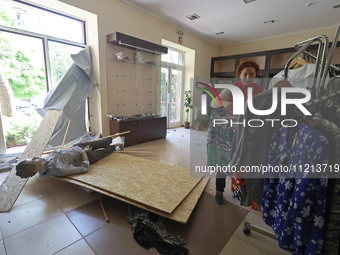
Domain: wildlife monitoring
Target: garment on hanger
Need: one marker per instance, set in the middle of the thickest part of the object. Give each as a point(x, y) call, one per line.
point(295, 207)
point(301, 78)
point(250, 145)
point(332, 222)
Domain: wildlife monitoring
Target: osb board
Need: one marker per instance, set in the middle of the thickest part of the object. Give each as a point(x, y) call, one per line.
point(180, 214)
point(12, 186)
point(147, 182)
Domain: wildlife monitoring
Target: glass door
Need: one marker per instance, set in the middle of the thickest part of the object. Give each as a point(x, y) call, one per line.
point(171, 91)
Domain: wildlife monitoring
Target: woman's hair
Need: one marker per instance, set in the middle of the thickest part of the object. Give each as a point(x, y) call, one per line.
point(247, 63)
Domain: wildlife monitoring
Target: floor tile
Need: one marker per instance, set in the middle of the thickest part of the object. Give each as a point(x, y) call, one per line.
point(202, 237)
point(73, 198)
point(31, 192)
point(151, 251)
point(48, 237)
point(238, 246)
point(227, 215)
point(264, 243)
point(2, 249)
point(32, 180)
point(114, 237)
point(80, 247)
point(210, 226)
point(1, 237)
point(87, 218)
point(54, 186)
point(28, 215)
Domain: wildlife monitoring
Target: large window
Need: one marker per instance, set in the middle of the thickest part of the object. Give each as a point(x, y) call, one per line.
point(171, 86)
point(35, 48)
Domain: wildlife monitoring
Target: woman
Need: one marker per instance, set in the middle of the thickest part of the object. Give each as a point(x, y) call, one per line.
point(220, 137)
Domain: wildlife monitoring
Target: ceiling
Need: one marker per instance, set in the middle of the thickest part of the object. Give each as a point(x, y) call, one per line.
point(241, 22)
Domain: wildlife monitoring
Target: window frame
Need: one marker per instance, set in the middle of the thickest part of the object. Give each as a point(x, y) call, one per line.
point(45, 40)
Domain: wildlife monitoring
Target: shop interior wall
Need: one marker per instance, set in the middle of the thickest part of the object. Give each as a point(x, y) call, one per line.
point(114, 15)
point(280, 42)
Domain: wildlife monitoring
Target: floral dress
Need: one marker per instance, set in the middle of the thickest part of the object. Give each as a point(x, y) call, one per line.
point(295, 207)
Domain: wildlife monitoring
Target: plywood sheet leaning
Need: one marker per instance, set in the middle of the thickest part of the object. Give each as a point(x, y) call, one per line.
point(151, 183)
point(13, 185)
point(180, 214)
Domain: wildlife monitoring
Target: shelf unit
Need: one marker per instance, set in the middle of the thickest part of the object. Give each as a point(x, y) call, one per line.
point(141, 130)
point(271, 62)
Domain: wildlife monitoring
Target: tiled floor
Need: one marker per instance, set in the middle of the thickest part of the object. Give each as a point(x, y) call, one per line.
point(55, 217)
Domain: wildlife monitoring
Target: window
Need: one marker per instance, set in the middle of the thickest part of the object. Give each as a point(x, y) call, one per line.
point(45, 22)
point(35, 46)
point(171, 86)
point(173, 57)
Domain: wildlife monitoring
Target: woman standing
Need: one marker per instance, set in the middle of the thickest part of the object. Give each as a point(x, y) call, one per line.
point(220, 137)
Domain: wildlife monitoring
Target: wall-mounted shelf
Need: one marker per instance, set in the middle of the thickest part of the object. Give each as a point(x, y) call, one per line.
point(135, 63)
point(135, 43)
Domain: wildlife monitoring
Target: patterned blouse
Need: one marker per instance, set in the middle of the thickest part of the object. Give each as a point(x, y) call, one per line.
point(295, 207)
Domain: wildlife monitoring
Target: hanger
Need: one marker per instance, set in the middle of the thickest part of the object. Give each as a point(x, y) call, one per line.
point(298, 62)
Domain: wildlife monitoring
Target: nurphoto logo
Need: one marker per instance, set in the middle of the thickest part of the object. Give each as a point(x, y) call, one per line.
point(238, 103)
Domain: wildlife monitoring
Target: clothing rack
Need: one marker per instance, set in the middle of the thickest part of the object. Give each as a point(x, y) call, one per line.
point(305, 52)
point(321, 91)
point(328, 97)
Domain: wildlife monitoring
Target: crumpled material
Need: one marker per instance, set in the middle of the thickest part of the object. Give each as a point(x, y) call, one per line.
point(148, 234)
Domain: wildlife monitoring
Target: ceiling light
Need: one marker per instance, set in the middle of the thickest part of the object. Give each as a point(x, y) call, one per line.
point(248, 1)
point(193, 16)
point(267, 22)
point(336, 6)
point(219, 33)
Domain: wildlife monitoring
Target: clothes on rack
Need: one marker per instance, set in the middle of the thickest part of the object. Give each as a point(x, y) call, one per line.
point(300, 78)
point(294, 206)
point(332, 220)
point(250, 145)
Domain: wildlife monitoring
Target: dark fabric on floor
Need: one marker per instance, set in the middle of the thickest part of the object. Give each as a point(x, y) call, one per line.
point(207, 232)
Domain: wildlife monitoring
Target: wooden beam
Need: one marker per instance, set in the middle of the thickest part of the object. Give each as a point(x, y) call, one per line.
point(12, 186)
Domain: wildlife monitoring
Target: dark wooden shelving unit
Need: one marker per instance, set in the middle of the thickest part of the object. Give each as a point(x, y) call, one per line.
point(271, 62)
point(141, 130)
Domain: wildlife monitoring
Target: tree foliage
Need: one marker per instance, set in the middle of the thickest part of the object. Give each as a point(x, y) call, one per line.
point(23, 77)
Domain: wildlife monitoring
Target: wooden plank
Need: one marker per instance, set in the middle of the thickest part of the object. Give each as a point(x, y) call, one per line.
point(13, 185)
point(151, 183)
point(180, 214)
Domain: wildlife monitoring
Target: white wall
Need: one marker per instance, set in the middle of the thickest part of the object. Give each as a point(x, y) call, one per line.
point(112, 16)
